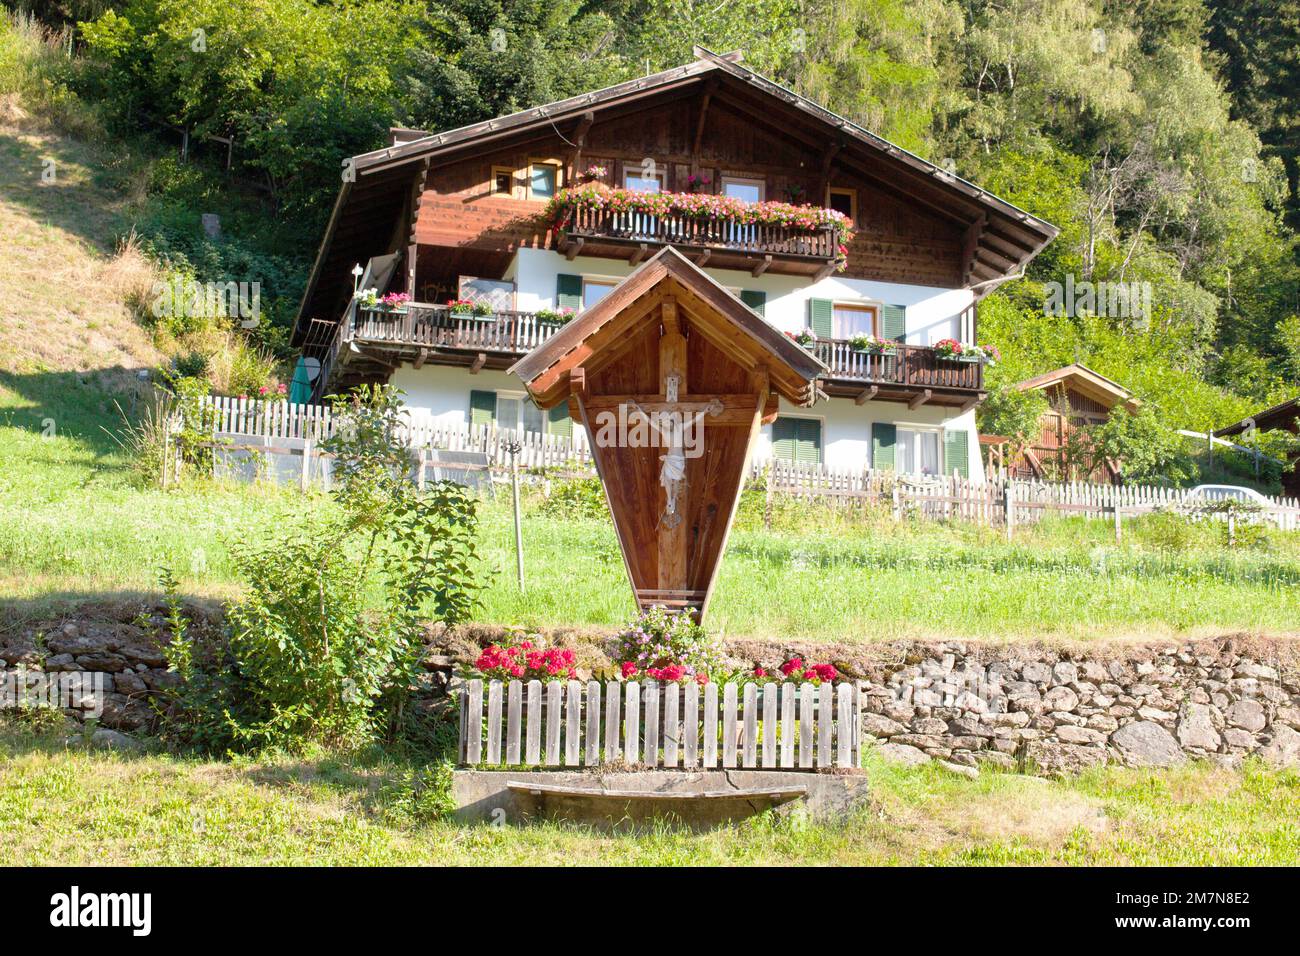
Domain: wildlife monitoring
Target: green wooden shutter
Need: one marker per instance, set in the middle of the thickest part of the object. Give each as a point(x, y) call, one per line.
point(883, 437)
point(755, 299)
point(956, 452)
point(893, 322)
point(783, 439)
point(808, 446)
point(482, 407)
point(568, 292)
point(820, 317)
point(559, 422)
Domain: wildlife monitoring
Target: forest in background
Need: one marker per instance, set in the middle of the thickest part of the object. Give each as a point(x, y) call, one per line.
point(1161, 136)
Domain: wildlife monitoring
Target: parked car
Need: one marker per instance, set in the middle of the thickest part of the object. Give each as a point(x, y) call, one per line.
point(1255, 507)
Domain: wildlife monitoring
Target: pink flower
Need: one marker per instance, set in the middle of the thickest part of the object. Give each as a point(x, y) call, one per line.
point(628, 669)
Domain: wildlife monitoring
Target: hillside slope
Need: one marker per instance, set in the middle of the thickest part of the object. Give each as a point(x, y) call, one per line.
point(64, 285)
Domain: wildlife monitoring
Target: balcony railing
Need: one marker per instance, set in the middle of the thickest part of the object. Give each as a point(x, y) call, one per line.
point(914, 366)
point(750, 239)
point(437, 326)
point(425, 326)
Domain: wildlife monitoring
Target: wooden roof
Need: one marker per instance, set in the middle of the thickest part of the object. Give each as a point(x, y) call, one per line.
point(595, 335)
point(1084, 380)
point(998, 238)
point(1283, 416)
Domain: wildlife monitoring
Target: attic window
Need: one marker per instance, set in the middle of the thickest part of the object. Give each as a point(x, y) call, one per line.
point(503, 181)
point(543, 180)
point(844, 201)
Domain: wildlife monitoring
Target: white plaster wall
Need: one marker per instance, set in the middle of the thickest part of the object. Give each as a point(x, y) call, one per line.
point(932, 313)
point(846, 430)
point(442, 392)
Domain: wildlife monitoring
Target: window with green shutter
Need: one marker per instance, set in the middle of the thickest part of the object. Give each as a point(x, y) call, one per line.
point(558, 421)
point(884, 435)
point(568, 292)
point(956, 452)
point(482, 407)
point(821, 317)
point(893, 322)
point(797, 439)
point(755, 299)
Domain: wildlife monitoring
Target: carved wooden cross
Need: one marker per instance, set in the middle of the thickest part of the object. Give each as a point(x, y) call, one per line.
point(744, 410)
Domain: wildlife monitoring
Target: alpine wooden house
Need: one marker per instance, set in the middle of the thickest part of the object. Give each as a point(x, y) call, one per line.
point(500, 231)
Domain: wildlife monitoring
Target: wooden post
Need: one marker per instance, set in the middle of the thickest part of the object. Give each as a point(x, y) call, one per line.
point(1009, 505)
point(305, 479)
point(513, 449)
point(1119, 530)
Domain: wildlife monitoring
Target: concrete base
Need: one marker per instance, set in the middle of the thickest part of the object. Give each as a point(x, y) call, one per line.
point(695, 799)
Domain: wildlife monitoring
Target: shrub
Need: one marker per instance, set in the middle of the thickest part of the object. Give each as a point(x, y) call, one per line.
point(326, 638)
point(576, 498)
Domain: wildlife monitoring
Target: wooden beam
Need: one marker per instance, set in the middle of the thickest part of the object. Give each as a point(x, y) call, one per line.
point(970, 247)
point(703, 258)
point(673, 538)
point(919, 399)
point(704, 113)
point(866, 395)
point(639, 253)
point(762, 266)
point(825, 270)
point(479, 361)
point(421, 357)
point(573, 247)
point(579, 139)
point(968, 405)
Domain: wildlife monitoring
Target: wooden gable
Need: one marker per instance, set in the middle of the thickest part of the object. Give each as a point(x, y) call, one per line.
point(668, 341)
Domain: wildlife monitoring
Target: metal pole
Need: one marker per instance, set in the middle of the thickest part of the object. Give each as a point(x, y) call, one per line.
point(513, 448)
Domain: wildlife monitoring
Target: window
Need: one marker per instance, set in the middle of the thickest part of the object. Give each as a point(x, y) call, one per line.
point(593, 290)
point(797, 439)
point(916, 452)
point(844, 201)
point(636, 180)
point(543, 180)
point(850, 320)
point(747, 190)
point(516, 410)
point(503, 181)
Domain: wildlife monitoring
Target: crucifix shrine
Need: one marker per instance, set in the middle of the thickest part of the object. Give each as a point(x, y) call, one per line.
point(672, 377)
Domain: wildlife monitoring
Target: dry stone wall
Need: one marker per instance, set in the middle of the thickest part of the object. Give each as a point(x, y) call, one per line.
point(1062, 711)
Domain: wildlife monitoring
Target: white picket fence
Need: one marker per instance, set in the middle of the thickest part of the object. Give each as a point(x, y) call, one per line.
point(573, 724)
point(277, 424)
point(272, 421)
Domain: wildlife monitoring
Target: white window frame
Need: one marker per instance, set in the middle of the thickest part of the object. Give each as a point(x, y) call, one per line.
point(862, 304)
point(744, 181)
point(937, 431)
point(634, 171)
point(555, 164)
point(520, 397)
point(596, 280)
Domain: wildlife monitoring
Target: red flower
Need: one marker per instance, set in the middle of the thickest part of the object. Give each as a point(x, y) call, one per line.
point(759, 672)
point(629, 669)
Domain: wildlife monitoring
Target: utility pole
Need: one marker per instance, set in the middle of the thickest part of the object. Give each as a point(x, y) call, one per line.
point(513, 448)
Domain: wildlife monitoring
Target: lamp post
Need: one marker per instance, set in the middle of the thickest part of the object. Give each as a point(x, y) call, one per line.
point(357, 273)
point(513, 448)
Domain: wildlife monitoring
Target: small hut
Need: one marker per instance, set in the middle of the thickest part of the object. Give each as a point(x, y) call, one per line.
point(1077, 398)
point(672, 376)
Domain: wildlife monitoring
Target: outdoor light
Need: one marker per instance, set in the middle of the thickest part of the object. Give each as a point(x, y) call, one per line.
point(357, 273)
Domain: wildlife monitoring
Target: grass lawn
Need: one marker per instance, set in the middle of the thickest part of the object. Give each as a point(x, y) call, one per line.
point(76, 523)
point(74, 807)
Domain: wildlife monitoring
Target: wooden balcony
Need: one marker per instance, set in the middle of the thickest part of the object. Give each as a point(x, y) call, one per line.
point(911, 373)
point(371, 342)
point(719, 243)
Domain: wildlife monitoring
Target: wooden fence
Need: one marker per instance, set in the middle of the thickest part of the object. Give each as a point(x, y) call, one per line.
point(572, 724)
point(994, 501)
point(293, 429)
point(235, 419)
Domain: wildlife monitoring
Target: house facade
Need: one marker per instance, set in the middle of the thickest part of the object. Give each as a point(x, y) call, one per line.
point(500, 231)
point(1285, 417)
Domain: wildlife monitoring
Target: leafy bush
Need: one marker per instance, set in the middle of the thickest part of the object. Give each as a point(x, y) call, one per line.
point(666, 646)
point(326, 639)
point(576, 498)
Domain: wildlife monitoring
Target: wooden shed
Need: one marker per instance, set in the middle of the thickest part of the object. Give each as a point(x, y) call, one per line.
point(1077, 397)
point(672, 376)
